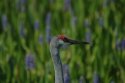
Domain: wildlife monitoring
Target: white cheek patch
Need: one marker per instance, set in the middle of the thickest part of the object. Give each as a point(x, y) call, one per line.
point(61, 42)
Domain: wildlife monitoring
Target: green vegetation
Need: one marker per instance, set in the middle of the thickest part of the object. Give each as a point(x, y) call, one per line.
point(27, 26)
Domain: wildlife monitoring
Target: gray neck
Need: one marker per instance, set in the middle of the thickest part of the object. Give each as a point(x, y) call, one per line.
point(57, 64)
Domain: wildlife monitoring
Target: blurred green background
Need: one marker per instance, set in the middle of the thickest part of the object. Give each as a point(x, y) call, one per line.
point(27, 26)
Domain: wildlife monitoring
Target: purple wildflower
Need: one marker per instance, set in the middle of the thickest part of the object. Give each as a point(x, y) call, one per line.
point(48, 36)
point(67, 4)
point(29, 61)
point(4, 21)
point(96, 78)
point(123, 44)
point(36, 25)
point(40, 39)
point(66, 73)
point(48, 18)
point(120, 45)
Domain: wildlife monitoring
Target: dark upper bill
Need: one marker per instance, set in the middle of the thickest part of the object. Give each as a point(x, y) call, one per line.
point(76, 42)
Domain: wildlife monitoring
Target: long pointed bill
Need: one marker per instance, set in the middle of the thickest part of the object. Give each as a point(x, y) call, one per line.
point(76, 42)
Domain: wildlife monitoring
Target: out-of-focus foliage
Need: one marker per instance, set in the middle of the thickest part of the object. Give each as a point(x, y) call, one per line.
point(27, 26)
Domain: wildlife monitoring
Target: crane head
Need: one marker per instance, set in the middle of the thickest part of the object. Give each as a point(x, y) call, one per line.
point(64, 41)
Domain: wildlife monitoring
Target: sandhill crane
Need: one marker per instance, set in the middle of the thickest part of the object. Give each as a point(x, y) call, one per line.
point(56, 43)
